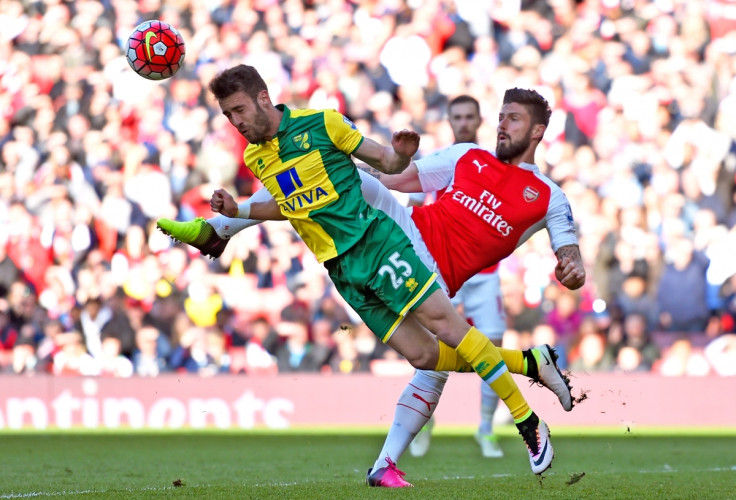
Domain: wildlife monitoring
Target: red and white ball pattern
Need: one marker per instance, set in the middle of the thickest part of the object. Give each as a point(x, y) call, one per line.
point(155, 50)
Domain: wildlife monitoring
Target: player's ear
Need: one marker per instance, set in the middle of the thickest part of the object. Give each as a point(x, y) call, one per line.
point(538, 131)
point(263, 98)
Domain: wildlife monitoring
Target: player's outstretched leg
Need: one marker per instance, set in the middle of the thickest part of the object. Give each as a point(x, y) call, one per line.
point(536, 436)
point(198, 233)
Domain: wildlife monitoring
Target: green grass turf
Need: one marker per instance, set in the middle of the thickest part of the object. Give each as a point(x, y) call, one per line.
point(306, 464)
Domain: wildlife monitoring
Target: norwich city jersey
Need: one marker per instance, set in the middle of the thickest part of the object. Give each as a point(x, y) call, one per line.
point(308, 170)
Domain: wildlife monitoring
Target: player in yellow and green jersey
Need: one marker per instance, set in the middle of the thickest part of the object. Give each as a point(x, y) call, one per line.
point(303, 158)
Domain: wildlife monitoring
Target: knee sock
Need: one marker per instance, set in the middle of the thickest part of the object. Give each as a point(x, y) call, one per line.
point(520, 362)
point(413, 410)
point(486, 360)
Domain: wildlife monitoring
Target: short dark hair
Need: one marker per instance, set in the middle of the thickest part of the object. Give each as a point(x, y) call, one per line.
point(533, 101)
point(240, 78)
point(462, 99)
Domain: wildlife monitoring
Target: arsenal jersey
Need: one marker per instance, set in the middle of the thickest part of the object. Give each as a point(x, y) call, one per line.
point(489, 208)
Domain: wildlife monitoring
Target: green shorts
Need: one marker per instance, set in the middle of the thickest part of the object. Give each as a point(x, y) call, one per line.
point(381, 277)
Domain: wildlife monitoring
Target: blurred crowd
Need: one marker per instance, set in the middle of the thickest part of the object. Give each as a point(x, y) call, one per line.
point(641, 139)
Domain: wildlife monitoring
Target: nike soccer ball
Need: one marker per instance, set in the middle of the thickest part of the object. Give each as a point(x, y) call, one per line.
point(155, 50)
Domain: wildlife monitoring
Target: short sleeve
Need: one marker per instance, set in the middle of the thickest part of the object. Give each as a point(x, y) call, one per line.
point(436, 171)
point(343, 132)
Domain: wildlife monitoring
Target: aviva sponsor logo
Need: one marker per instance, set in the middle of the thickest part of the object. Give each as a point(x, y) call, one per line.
point(289, 181)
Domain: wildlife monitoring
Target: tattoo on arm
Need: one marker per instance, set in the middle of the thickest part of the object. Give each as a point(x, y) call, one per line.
point(571, 251)
point(373, 172)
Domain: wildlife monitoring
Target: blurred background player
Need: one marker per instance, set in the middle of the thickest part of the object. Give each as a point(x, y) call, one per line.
point(480, 296)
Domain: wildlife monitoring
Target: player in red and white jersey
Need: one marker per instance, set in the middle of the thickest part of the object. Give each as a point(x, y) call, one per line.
point(501, 205)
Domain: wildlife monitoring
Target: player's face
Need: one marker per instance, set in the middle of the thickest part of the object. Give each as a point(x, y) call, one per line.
point(247, 116)
point(514, 131)
point(465, 121)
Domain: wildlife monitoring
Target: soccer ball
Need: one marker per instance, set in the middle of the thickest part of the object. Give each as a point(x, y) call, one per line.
point(155, 50)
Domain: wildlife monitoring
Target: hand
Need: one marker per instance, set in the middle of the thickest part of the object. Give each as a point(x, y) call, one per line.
point(405, 142)
point(570, 273)
point(222, 202)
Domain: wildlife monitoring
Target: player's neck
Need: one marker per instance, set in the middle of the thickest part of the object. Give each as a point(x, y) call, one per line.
point(525, 157)
point(275, 115)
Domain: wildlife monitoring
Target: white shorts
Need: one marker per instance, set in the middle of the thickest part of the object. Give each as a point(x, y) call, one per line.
point(483, 304)
point(378, 196)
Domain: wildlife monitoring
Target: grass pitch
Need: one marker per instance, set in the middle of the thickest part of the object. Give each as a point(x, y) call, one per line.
point(312, 464)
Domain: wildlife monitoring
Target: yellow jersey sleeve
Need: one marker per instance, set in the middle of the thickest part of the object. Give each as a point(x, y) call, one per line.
point(343, 132)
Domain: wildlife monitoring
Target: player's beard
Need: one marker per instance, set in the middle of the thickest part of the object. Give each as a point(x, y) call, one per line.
point(511, 149)
point(258, 131)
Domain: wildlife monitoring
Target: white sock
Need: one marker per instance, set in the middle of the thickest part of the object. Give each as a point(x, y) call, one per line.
point(488, 405)
point(413, 410)
point(226, 228)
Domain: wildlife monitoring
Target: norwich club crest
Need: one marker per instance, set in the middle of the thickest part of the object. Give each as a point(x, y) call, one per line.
point(302, 141)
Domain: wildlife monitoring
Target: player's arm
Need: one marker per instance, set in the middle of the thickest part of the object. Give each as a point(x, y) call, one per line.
point(405, 182)
point(564, 239)
point(259, 207)
point(389, 160)
point(569, 270)
point(427, 175)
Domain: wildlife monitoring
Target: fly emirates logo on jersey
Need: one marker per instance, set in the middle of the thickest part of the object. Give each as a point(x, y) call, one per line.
point(487, 208)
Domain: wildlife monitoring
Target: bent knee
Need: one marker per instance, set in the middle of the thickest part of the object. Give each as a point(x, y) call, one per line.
point(424, 361)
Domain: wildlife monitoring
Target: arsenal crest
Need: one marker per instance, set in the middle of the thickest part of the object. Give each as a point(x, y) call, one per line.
point(530, 194)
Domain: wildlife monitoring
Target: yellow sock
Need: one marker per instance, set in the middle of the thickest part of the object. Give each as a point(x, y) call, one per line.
point(450, 361)
point(487, 362)
point(514, 360)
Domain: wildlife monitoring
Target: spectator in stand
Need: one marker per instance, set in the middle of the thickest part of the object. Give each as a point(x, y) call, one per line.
point(24, 356)
point(637, 336)
point(297, 353)
point(147, 359)
point(681, 298)
point(593, 356)
point(94, 316)
point(259, 348)
point(681, 358)
point(73, 358)
point(111, 360)
point(634, 299)
point(630, 360)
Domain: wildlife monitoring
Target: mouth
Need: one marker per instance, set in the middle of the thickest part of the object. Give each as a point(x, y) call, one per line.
point(502, 138)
